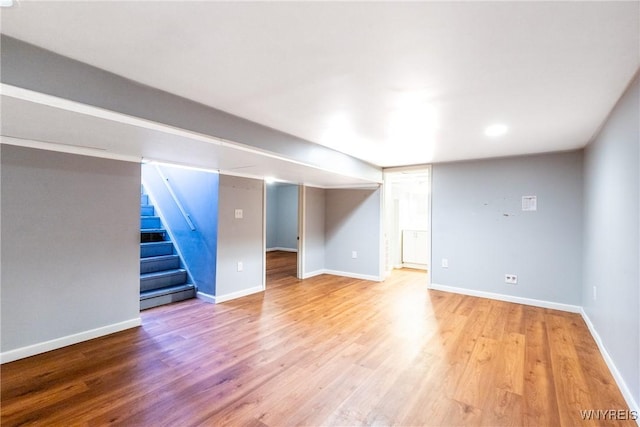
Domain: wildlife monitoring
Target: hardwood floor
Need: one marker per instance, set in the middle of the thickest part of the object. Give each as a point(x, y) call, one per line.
point(281, 265)
point(324, 351)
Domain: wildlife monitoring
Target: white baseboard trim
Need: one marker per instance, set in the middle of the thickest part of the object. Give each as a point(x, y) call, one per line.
point(622, 385)
point(282, 249)
point(313, 274)
point(508, 298)
point(211, 299)
point(233, 295)
point(54, 344)
point(354, 275)
point(415, 266)
point(342, 274)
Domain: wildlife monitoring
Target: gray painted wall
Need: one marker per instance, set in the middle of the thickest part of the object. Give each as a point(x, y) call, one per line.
point(478, 225)
point(240, 240)
point(611, 236)
point(314, 223)
point(30, 67)
point(282, 216)
point(70, 244)
point(272, 216)
point(352, 223)
point(288, 216)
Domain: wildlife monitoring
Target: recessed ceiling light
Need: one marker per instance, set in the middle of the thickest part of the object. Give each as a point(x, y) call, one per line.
point(6, 3)
point(496, 130)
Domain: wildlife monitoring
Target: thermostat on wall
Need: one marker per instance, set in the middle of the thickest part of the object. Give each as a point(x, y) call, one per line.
point(529, 203)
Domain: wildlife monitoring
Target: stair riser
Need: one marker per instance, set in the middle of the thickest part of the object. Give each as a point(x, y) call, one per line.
point(162, 281)
point(166, 299)
point(150, 222)
point(152, 237)
point(147, 211)
point(152, 265)
point(147, 284)
point(165, 248)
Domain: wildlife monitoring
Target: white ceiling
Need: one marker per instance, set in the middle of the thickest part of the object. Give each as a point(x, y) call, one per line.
point(393, 83)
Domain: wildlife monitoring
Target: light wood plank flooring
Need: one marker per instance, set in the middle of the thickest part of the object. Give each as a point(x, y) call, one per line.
point(324, 351)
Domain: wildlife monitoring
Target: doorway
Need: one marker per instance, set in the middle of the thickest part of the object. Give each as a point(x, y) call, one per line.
point(282, 236)
point(408, 218)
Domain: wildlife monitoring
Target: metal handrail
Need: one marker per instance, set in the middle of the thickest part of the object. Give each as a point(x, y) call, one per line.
point(184, 213)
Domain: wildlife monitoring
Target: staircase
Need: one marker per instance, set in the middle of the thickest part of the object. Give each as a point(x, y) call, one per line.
point(162, 280)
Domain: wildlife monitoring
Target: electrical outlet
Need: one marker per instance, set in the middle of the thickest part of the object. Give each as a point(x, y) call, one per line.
point(511, 279)
point(240, 266)
point(445, 263)
point(354, 254)
point(238, 213)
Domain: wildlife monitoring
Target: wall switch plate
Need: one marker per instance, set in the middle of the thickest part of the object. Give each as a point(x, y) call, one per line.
point(238, 213)
point(240, 266)
point(354, 254)
point(445, 263)
point(595, 293)
point(511, 279)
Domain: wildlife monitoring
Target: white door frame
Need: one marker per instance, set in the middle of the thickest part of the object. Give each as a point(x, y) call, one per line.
point(388, 201)
point(302, 198)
